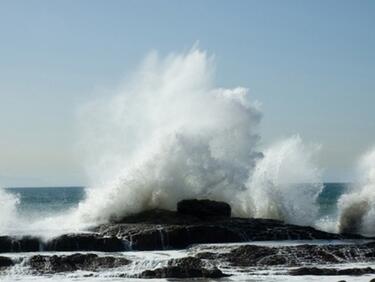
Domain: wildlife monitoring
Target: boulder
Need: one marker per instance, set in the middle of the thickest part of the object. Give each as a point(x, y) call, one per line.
point(88, 262)
point(204, 208)
point(331, 271)
point(188, 267)
point(5, 262)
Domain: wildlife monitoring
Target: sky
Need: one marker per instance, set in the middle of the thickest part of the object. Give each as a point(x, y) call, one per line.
point(310, 63)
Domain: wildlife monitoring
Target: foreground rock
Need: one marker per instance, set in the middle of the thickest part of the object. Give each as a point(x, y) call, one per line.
point(188, 267)
point(5, 262)
point(88, 262)
point(331, 271)
point(292, 256)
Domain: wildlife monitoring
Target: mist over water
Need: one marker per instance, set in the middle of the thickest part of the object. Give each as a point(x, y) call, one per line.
point(357, 210)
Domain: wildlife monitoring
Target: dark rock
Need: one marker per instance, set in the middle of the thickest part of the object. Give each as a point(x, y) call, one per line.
point(252, 255)
point(5, 262)
point(159, 216)
point(203, 208)
point(85, 242)
point(188, 267)
point(172, 230)
point(88, 262)
point(179, 272)
point(160, 229)
point(331, 271)
point(19, 244)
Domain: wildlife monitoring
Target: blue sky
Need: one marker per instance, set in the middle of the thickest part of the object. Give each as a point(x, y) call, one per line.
point(310, 63)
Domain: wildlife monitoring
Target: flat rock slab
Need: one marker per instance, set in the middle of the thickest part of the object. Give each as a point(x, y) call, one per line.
point(159, 229)
point(88, 262)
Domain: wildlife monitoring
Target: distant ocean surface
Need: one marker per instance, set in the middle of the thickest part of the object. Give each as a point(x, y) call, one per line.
point(49, 200)
point(39, 201)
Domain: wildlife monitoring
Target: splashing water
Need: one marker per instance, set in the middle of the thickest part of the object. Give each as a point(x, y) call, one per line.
point(8, 210)
point(170, 134)
point(285, 184)
point(357, 211)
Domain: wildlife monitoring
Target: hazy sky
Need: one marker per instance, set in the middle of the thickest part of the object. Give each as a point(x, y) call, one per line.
point(310, 63)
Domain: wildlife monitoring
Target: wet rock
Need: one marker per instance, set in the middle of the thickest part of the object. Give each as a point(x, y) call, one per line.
point(188, 267)
point(172, 230)
point(196, 222)
point(88, 262)
point(204, 208)
point(252, 255)
point(331, 271)
point(19, 244)
point(5, 262)
point(85, 242)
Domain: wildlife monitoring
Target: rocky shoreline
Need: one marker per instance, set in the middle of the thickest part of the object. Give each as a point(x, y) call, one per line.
point(209, 222)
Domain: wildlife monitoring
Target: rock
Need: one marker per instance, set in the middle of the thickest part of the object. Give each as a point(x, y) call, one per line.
point(88, 262)
point(253, 255)
point(85, 242)
point(19, 244)
point(204, 208)
point(331, 271)
point(188, 267)
point(179, 272)
point(5, 262)
point(172, 230)
point(205, 222)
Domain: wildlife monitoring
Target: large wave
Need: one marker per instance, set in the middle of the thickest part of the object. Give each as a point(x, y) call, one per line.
point(170, 134)
point(357, 211)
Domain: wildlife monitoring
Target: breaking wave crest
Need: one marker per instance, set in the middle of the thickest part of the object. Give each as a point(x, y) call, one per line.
point(171, 134)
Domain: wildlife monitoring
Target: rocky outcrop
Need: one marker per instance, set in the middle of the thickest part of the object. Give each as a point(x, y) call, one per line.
point(85, 242)
point(331, 271)
point(195, 222)
point(159, 229)
point(64, 243)
point(204, 208)
point(88, 262)
point(188, 267)
point(292, 256)
point(19, 244)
